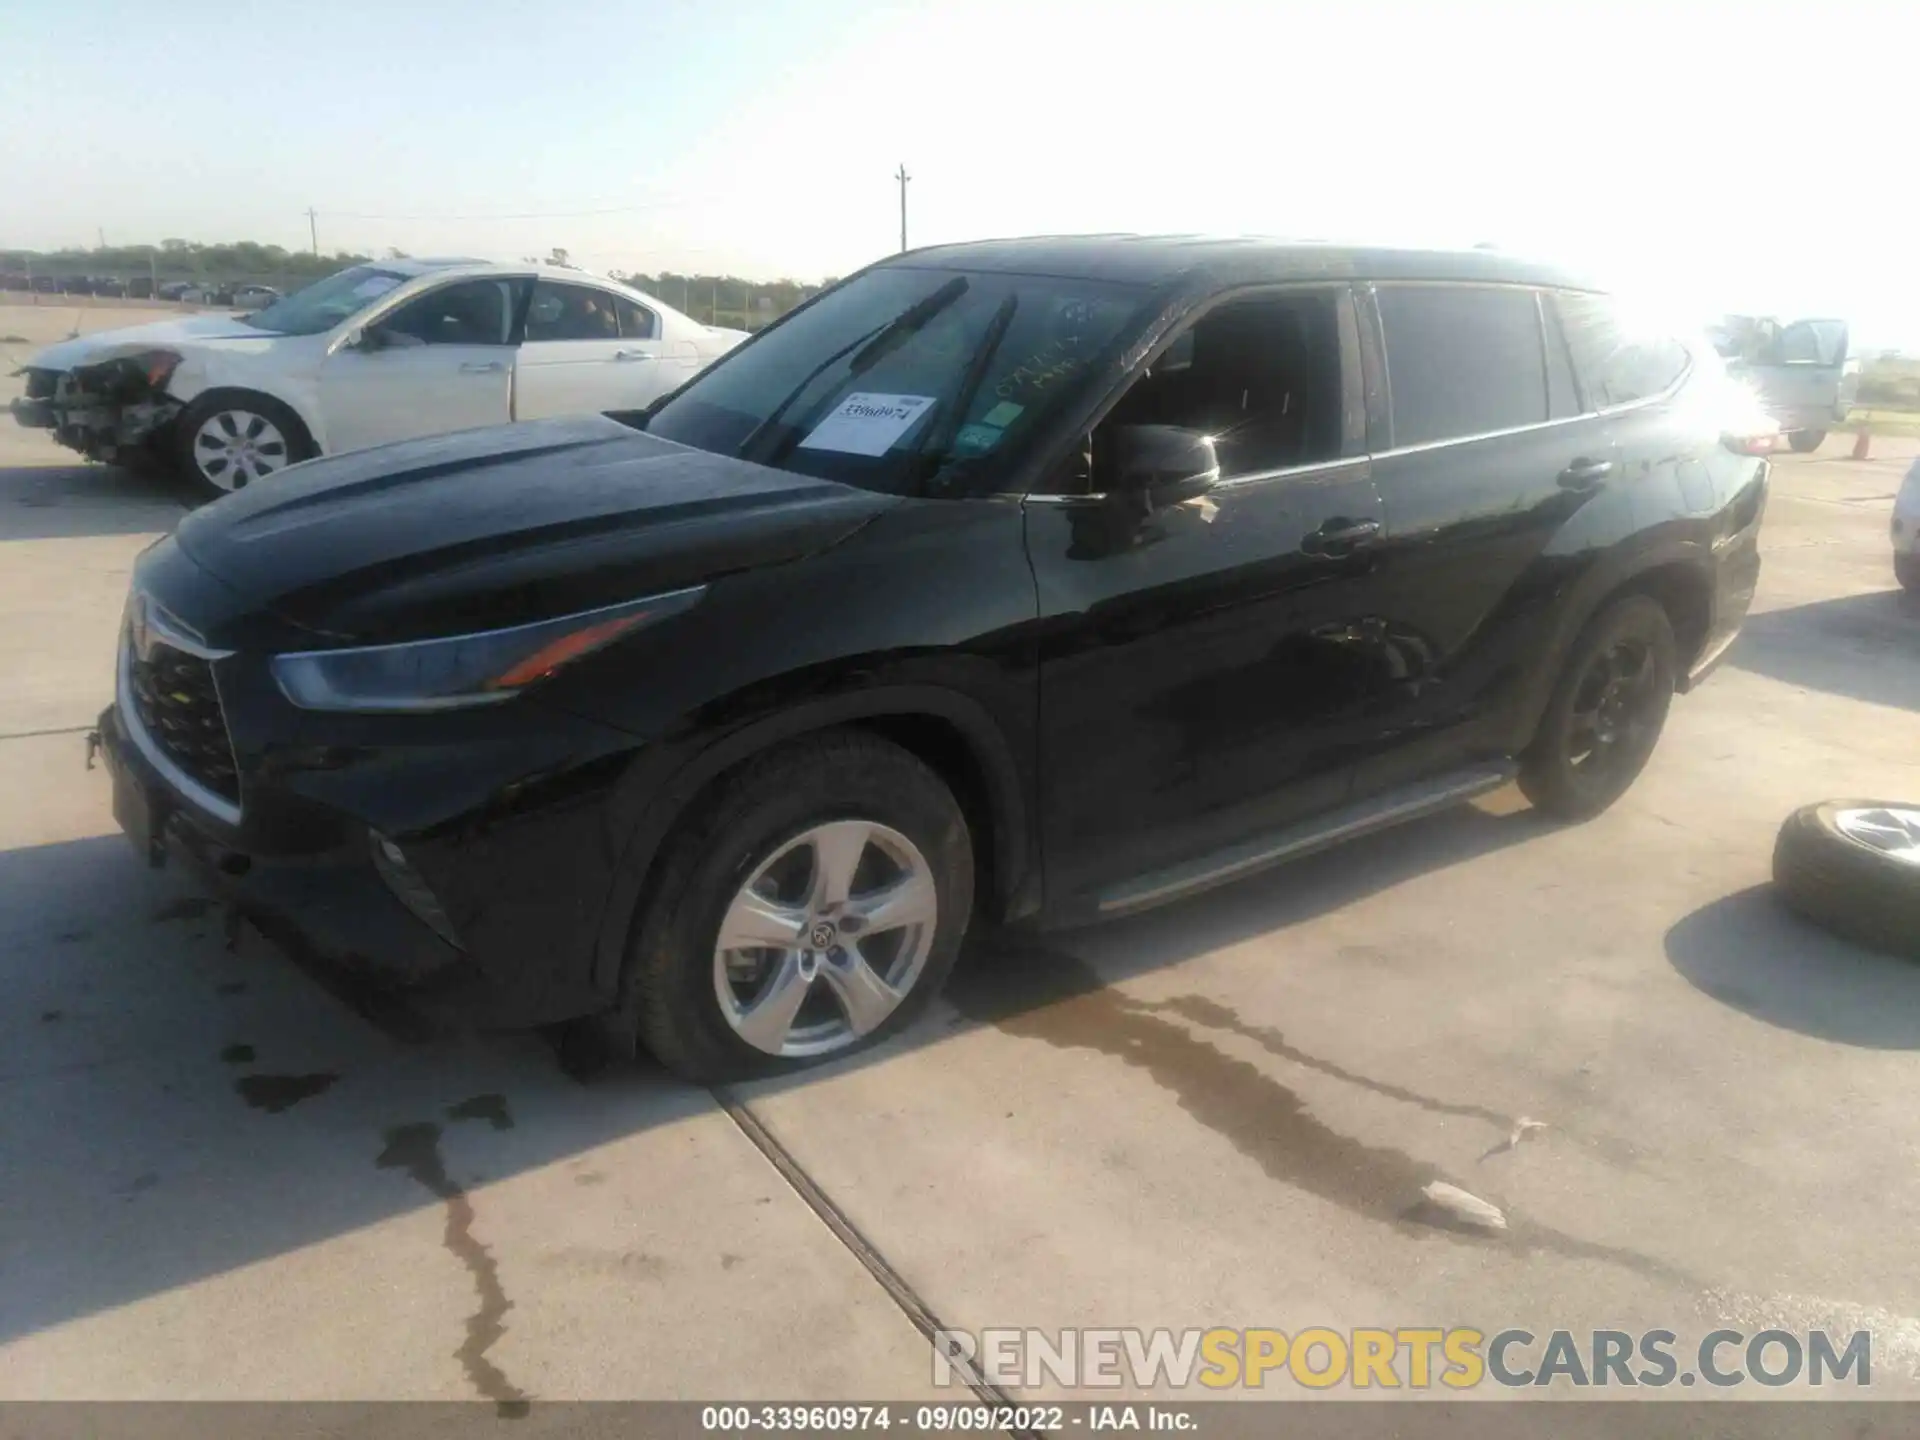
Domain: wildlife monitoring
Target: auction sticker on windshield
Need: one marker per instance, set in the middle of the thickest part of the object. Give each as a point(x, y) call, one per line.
point(868, 424)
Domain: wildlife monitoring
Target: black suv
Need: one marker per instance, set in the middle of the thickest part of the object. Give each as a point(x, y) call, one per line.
point(1035, 581)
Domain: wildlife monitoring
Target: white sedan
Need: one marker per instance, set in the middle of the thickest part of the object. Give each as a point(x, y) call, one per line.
point(379, 352)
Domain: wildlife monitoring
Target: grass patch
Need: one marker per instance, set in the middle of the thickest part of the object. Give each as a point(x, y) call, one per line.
point(1880, 422)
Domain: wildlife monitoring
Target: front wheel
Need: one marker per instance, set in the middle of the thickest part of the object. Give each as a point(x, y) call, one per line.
point(1805, 442)
point(1606, 712)
point(227, 440)
point(814, 907)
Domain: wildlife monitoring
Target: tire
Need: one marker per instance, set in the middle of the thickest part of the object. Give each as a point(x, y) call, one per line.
point(1805, 442)
point(818, 787)
point(227, 439)
point(1906, 569)
point(1846, 885)
point(1606, 711)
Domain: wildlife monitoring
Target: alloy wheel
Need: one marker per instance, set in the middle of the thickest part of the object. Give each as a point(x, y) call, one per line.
point(1893, 831)
point(233, 448)
point(825, 939)
point(1615, 709)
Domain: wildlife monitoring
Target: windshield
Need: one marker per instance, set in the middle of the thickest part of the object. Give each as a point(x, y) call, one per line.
point(904, 380)
point(325, 303)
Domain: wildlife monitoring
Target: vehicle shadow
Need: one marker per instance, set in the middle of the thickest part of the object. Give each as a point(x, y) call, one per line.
point(178, 1109)
point(1866, 647)
point(1748, 951)
point(66, 501)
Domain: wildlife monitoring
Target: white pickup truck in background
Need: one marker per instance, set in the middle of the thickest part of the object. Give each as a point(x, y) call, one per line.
point(1801, 371)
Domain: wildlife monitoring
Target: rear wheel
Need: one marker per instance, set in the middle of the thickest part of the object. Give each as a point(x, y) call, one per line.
point(815, 907)
point(1906, 569)
point(231, 439)
point(1606, 712)
point(1805, 442)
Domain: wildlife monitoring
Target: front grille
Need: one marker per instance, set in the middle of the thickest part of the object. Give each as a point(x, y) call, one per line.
point(41, 384)
point(175, 699)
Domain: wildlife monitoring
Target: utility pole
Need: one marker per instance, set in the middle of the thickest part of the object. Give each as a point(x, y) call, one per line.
point(902, 176)
point(313, 230)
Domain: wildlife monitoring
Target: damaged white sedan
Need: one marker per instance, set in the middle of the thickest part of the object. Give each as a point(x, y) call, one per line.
point(376, 353)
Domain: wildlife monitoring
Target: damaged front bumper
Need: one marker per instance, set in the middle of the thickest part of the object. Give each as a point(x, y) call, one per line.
point(104, 411)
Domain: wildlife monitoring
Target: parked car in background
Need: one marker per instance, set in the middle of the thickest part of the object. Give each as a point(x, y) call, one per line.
point(373, 354)
point(14, 280)
point(1906, 530)
point(140, 287)
point(1040, 580)
point(191, 292)
point(254, 297)
point(1802, 372)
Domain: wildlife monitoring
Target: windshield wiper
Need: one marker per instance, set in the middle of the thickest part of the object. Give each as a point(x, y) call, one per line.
point(872, 346)
point(933, 457)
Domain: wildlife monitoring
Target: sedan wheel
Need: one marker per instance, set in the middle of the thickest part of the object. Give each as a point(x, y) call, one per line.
point(826, 939)
point(233, 448)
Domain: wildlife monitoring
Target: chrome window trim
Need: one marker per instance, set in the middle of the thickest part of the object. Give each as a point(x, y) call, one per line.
point(1260, 477)
point(190, 789)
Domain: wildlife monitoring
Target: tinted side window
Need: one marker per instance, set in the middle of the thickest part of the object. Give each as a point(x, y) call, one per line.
point(1261, 376)
point(636, 321)
point(1462, 360)
point(571, 312)
point(1618, 361)
point(468, 312)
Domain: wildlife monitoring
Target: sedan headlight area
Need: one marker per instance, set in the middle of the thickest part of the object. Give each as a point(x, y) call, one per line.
point(461, 670)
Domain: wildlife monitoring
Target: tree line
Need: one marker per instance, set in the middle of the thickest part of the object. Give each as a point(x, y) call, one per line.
point(711, 299)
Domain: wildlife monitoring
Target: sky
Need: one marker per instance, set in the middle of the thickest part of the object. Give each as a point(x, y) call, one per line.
point(1710, 156)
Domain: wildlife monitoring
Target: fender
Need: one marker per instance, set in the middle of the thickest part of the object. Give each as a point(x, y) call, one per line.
point(1612, 573)
point(652, 797)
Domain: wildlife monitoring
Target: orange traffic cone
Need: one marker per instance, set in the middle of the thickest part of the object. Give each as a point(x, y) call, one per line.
point(1862, 443)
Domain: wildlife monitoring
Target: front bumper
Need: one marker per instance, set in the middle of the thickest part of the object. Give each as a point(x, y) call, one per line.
point(332, 912)
point(33, 414)
point(102, 417)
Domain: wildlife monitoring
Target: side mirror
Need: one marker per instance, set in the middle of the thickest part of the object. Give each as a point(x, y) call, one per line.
point(368, 340)
point(1164, 464)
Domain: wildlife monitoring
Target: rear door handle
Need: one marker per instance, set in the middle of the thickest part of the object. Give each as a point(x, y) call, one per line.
point(475, 367)
point(633, 354)
point(1339, 536)
point(1583, 475)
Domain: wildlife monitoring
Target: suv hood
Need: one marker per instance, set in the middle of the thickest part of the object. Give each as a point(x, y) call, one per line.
point(188, 330)
point(506, 525)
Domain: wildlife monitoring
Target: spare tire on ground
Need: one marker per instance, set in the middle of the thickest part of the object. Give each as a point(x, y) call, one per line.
point(1853, 867)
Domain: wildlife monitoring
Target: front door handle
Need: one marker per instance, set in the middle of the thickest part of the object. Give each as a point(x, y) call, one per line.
point(1341, 536)
point(475, 367)
point(1583, 475)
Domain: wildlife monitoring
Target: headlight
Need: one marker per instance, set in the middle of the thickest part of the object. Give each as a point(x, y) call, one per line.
point(461, 670)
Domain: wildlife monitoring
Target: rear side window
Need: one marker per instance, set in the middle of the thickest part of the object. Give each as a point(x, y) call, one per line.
point(636, 321)
point(1619, 361)
point(1462, 360)
point(571, 312)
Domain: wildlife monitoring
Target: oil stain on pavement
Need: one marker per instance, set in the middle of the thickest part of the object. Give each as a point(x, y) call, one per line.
point(1044, 994)
point(415, 1149)
point(275, 1093)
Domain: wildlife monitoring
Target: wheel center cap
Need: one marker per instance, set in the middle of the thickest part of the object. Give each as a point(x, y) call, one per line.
point(822, 935)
